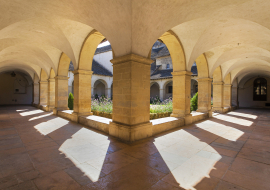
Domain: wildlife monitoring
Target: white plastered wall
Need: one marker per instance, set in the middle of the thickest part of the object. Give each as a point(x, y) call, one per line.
point(8, 93)
point(245, 97)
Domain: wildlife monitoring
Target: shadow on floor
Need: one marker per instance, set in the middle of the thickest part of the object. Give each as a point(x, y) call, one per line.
point(41, 151)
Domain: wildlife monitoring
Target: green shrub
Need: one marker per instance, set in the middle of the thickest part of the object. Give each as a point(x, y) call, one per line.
point(70, 101)
point(194, 102)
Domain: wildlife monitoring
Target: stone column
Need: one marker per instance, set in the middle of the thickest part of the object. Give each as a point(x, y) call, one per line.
point(204, 96)
point(108, 92)
point(131, 98)
point(161, 92)
point(235, 96)
point(61, 94)
point(218, 97)
point(92, 91)
point(35, 94)
point(82, 93)
point(227, 95)
point(51, 95)
point(43, 93)
point(181, 95)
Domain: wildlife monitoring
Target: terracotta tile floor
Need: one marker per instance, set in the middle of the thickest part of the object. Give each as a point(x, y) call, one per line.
point(41, 151)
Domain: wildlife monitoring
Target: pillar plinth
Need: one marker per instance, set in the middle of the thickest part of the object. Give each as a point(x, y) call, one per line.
point(181, 95)
point(61, 94)
point(82, 93)
point(43, 93)
point(227, 95)
point(131, 98)
point(51, 95)
point(35, 94)
point(204, 95)
point(218, 97)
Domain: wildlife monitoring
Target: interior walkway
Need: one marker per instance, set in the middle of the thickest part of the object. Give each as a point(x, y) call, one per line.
point(41, 151)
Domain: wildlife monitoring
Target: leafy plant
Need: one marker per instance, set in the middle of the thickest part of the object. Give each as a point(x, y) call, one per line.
point(194, 102)
point(155, 100)
point(70, 101)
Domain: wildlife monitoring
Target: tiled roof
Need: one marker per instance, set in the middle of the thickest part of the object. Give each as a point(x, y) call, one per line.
point(99, 69)
point(71, 67)
point(103, 49)
point(159, 74)
point(160, 52)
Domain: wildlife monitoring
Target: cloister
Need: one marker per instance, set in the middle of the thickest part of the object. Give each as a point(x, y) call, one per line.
point(44, 145)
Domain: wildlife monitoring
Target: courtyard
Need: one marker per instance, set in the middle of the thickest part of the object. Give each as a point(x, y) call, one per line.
point(39, 150)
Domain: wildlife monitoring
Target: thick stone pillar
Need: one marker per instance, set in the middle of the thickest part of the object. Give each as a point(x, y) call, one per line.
point(61, 94)
point(227, 95)
point(131, 98)
point(82, 93)
point(181, 95)
point(35, 94)
point(161, 93)
point(218, 97)
point(235, 96)
point(43, 93)
point(51, 95)
point(204, 96)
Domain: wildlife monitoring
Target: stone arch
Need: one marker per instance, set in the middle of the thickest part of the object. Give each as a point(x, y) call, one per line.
point(88, 50)
point(154, 89)
point(202, 66)
point(52, 74)
point(43, 75)
point(217, 75)
point(166, 93)
point(176, 50)
point(63, 65)
point(227, 79)
point(100, 87)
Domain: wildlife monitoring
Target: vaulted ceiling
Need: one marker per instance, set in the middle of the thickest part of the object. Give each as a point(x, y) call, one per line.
point(233, 34)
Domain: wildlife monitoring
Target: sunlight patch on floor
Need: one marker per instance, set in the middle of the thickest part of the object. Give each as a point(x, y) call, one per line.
point(235, 120)
point(31, 112)
point(50, 126)
point(38, 117)
point(84, 146)
point(243, 115)
point(21, 110)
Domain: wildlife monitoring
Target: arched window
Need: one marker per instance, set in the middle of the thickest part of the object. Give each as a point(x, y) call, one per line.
point(168, 66)
point(260, 89)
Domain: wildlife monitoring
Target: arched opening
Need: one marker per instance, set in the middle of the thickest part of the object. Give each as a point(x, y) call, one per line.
point(99, 88)
point(16, 88)
point(154, 90)
point(194, 87)
point(260, 89)
point(168, 90)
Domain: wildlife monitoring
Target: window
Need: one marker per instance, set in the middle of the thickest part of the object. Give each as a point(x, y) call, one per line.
point(169, 89)
point(260, 90)
point(168, 66)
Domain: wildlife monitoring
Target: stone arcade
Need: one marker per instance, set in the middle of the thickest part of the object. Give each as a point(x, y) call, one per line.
point(165, 48)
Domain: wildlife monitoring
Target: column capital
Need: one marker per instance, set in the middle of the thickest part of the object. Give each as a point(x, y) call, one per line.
point(132, 57)
point(43, 82)
point(82, 72)
point(227, 85)
point(218, 83)
point(180, 73)
point(51, 80)
point(204, 79)
point(61, 78)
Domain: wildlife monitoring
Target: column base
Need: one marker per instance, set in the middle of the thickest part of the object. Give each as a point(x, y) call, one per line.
point(49, 108)
point(204, 111)
point(188, 119)
point(130, 133)
point(75, 116)
point(55, 110)
point(218, 109)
